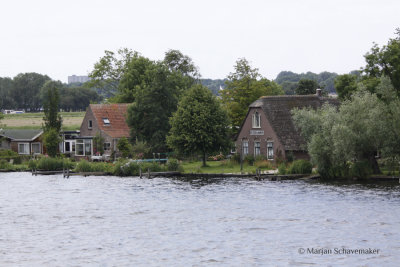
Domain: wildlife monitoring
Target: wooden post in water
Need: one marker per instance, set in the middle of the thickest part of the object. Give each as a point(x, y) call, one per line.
point(140, 172)
point(148, 172)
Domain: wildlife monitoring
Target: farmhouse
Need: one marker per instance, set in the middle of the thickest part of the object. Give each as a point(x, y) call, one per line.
point(24, 142)
point(268, 128)
point(107, 120)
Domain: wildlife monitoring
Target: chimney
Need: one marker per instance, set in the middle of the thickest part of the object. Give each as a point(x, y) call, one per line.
point(319, 92)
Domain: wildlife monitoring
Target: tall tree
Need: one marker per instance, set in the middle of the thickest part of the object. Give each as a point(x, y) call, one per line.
point(26, 92)
point(6, 99)
point(108, 71)
point(51, 102)
point(384, 61)
point(345, 85)
point(199, 125)
point(306, 87)
point(244, 86)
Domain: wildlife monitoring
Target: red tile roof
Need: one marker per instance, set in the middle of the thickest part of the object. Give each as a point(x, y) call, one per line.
point(116, 114)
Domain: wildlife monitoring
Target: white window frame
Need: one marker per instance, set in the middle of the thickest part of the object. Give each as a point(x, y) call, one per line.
point(40, 148)
point(245, 147)
point(257, 149)
point(256, 120)
point(25, 145)
point(270, 150)
point(80, 142)
point(106, 121)
point(90, 124)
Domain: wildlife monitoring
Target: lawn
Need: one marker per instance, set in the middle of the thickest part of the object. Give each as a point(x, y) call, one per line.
point(71, 120)
point(223, 166)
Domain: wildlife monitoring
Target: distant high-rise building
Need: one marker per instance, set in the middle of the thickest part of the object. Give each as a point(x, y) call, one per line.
point(78, 79)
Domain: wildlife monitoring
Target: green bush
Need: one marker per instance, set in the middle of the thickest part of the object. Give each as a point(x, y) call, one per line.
point(50, 164)
point(8, 154)
point(4, 165)
point(172, 165)
point(249, 159)
point(83, 166)
point(300, 166)
point(282, 169)
point(360, 169)
point(264, 164)
point(32, 164)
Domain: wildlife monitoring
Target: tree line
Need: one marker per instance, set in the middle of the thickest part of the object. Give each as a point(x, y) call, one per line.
point(25, 92)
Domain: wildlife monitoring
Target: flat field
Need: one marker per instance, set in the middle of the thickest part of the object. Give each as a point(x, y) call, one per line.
point(71, 120)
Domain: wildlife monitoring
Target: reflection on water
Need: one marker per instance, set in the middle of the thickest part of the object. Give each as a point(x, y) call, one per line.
point(110, 221)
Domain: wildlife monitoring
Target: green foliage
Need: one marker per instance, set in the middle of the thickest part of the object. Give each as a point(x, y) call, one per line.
point(282, 169)
point(244, 86)
point(4, 165)
point(124, 168)
point(213, 84)
point(98, 144)
point(363, 125)
point(306, 87)
point(172, 164)
point(249, 159)
point(85, 166)
point(51, 140)
point(124, 147)
point(26, 89)
point(289, 80)
point(8, 154)
point(141, 150)
point(32, 164)
point(51, 102)
point(360, 169)
point(199, 125)
point(345, 85)
point(384, 61)
point(6, 94)
point(77, 98)
point(50, 164)
point(263, 164)
point(236, 158)
point(300, 166)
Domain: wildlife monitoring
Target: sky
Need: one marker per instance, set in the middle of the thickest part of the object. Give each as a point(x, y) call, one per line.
point(60, 38)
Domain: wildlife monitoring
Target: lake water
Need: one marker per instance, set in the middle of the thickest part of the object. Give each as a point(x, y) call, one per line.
point(111, 221)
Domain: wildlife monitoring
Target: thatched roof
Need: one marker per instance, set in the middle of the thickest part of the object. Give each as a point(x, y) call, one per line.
point(278, 111)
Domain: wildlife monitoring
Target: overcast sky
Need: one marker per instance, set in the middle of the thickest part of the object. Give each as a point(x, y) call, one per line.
point(60, 38)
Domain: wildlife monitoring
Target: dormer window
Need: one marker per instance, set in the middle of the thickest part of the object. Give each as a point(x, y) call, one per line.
point(106, 121)
point(256, 120)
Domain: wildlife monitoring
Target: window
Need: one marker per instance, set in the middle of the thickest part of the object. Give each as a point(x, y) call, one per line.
point(257, 147)
point(36, 148)
point(270, 150)
point(90, 124)
point(107, 146)
point(23, 148)
point(256, 120)
point(69, 146)
point(106, 121)
point(80, 151)
point(88, 147)
point(245, 147)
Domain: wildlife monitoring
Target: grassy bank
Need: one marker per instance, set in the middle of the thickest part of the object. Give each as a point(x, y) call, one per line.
point(223, 166)
point(71, 120)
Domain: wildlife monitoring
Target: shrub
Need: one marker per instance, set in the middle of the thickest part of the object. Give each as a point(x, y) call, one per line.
point(216, 157)
point(360, 169)
point(300, 166)
point(249, 159)
point(263, 164)
point(32, 164)
point(4, 165)
point(17, 160)
point(172, 165)
point(124, 147)
point(50, 164)
point(83, 166)
point(282, 169)
point(8, 154)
